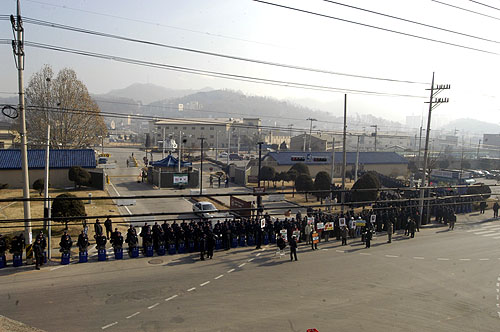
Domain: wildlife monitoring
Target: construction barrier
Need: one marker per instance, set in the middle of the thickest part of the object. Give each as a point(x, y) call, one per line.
point(171, 249)
point(17, 260)
point(182, 248)
point(119, 253)
point(65, 258)
point(149, 251)
point(101, 255)
point(161, 250)
point(133, 252)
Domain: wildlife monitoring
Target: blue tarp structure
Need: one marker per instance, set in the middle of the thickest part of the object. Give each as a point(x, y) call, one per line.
point(170, 161)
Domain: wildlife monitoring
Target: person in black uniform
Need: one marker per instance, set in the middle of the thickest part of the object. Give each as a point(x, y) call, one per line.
point(83, 241)
point(293, 248)
point(368, 237)
point(3, 245)
point(100, 242)
point(131, 239)
point(117, 241)
point(108, 224)
point(210, 245)
point(18, 244)
point(38, 253)
point(43, 241)
point(65, 242)
point(97, 229)
point(203, 241)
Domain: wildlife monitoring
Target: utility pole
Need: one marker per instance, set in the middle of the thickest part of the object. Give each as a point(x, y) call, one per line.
point(217, 145)
point(239, 136)
point(305, 137)
point(202, 139)
point(419, 147)
point(18, 48)
point(310, 131)
point(332, 172)
point(260, 161)
point(357, 163)
point(375, 135)
point(46, 180)
point(163, 144)
point(228, 147)
point(478, 145)
point(344, 155)
point(433, 103)
point(180, 153)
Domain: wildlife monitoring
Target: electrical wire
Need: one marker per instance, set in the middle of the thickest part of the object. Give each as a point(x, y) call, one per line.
point(377, 27)
point(467, 10)
point(214, 73)
point(485, 5)
point(226, 56)
point(413, 22)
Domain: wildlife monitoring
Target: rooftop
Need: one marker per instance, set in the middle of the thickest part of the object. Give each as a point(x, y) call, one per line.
point(11, 159)
point(324, 158)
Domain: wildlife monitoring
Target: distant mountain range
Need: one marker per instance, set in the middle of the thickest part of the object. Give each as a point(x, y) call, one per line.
point(473, 126)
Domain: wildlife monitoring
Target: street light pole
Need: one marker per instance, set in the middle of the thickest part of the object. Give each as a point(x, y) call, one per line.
point(202, 139)
point(356, 167)
point(376, 130)
point(344, 154)
point(310, 131)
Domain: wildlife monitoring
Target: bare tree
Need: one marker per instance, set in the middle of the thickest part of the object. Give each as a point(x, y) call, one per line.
point(65, 103)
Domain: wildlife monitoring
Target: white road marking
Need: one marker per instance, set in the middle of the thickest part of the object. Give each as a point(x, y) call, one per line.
point(496, 238)
point(492, 234)
point(109, 325)
point(342, 251)
point(152, 306)
point(58, 267)
point(325, 249)
point(418, 257)
point(171, 298)
point(258, 254)
point(251, 259)
point(443, 259)
point(218, 277)
point(365, 254)
point(484, 259)
point(118, 194)
point(128, 317)
point(464, 259)
point(230, 271)
point(191, 289)
point(485, 232)
point(205, 283)
point(489, 226)
point(391, 256)
point(242, 264)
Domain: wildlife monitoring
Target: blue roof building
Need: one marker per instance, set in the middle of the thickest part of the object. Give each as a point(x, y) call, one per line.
point(11, 159)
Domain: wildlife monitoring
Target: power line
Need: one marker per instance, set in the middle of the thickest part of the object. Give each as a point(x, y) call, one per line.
point(377, 27)
point(156, 24)
point(467, 10)
point(226, 56)
point(413, 22)
point(485, 5)
point(214, 73)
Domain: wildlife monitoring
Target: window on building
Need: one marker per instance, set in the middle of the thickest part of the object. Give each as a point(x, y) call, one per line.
point(211, 136)
point(167, 127)
point(193, 128)
point(212, 145)
point(211, 128)
point(202, 128)
point(184, 128)
point(175, 128)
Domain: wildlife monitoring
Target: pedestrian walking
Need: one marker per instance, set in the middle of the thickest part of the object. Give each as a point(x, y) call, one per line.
point(203, 244)
point(97, 228)
point(390, 230)
point(344, 233)
point(293, 248)
point(453, 219)
point(368, 237)
point(308, 230)
point(495, 209)
point(211, 181)
point(314, 240)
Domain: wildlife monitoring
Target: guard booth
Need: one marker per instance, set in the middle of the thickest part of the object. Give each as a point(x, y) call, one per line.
point(165, 174)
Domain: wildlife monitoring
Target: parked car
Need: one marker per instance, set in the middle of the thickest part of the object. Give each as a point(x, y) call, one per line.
point(208, 210)
point(223, 155)
point(235, 156)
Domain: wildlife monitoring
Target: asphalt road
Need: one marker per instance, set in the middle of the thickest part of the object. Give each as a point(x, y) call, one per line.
point(439, 281)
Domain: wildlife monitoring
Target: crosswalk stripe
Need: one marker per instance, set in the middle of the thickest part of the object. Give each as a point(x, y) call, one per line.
point(485, 232)
point(492, 234)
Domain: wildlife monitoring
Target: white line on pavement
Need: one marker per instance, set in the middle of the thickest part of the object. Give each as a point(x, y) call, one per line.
point(492, 234)
point(242, 264)
point(365, 254)
point(497, 237)
point(152, 306)
point(342, 251)
point(325, 249)
point(218, 277)
point(484, 259)
point(418, 257)
point(205, 283)
point(191, 289)
point(251, 259)
point(117, 193)
point(489, 226)
point(485, 232)
point(258, 254)
point(58, 267)
point(109, 325)
point(171, 298)
point(135, 314)
point(443, 259)
point(464, 259)
point(391, 256)
point(230, 271)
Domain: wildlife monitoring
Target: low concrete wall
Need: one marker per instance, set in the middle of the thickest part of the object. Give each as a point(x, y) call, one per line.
point(58, 178)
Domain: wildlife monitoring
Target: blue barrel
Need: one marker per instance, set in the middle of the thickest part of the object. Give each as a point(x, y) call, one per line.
point(273, 239)
point(2, 261)
point(161, 250)
point(83, 257)
point(44, 257)
point(266, 239)
point(251, 240)
point(133, 252)
point(234, 242)
point(65, 258)
point(218, 244)
point(191, 246)
point(119, 253)
point(171, 249)
point(149, 251)
point(182, 248)
point(101, 255)
point(17, 260)
point(242, 241)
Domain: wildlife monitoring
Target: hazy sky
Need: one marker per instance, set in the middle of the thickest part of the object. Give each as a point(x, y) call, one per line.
point(249, 29)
